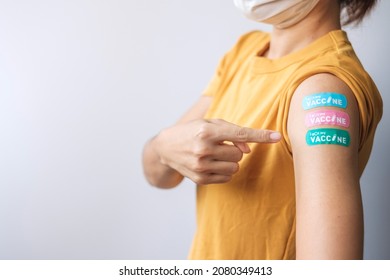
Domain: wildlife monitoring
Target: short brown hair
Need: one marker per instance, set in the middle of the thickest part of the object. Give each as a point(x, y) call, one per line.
point(355, 10)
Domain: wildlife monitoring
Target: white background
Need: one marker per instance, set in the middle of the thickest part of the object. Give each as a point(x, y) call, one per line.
point(83, 85)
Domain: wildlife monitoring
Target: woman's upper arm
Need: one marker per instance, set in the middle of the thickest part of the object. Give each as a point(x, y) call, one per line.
point(323, 128)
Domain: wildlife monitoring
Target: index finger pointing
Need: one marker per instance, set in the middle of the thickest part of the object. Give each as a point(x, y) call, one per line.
point(249, 135)
point(234, 133)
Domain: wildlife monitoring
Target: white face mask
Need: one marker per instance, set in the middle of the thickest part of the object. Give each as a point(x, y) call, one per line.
point(280, 13)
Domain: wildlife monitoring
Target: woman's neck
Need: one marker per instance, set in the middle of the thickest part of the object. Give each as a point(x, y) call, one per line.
point(324, 18)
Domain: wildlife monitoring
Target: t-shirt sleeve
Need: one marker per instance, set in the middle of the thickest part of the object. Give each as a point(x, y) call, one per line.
point(216, 81)
point(228, 65)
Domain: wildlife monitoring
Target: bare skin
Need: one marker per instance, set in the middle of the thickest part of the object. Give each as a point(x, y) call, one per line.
point(328, 199)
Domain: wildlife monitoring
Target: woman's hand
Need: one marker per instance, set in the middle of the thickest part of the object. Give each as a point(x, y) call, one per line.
point(208, 151)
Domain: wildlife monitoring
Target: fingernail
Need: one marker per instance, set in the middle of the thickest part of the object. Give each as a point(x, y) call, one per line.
point(275, 136)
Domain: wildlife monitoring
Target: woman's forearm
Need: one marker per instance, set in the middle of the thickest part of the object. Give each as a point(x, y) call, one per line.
point(157, 173)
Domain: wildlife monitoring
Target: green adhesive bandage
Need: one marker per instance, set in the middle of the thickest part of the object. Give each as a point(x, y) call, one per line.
point(330, 136)
point(324, 99)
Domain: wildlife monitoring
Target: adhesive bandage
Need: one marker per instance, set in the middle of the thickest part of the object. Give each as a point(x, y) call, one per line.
point(327, 117)
point(328, 99)
point(322, 136)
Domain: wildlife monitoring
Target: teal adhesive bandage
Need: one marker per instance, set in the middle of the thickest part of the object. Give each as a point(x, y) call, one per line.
point(323, 136)
point(330, 99)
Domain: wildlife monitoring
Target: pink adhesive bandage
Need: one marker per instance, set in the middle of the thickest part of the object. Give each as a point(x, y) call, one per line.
point(327, 117)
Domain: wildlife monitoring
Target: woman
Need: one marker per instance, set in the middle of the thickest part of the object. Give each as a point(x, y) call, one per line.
point(291, 191)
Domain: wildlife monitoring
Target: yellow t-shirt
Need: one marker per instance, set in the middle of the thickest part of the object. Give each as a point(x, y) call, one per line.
point(253, 215)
